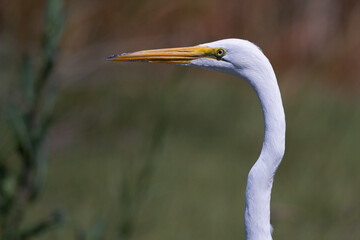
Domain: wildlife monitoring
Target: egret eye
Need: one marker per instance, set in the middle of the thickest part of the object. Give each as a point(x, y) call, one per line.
point(220, 52)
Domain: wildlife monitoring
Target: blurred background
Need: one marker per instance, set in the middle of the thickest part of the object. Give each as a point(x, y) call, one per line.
point(91, 149)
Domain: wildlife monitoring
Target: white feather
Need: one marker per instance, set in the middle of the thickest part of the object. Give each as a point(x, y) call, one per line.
point(246, 60)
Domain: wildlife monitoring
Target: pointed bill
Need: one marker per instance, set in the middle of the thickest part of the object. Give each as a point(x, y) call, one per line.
point(181, 55)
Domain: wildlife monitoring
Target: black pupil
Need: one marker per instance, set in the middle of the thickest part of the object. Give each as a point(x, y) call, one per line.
point(220, 52)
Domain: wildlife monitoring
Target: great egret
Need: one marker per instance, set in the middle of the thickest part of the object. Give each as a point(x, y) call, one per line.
point(244, 59)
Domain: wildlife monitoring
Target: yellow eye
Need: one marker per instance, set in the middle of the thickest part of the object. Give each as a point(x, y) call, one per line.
point(220, 52)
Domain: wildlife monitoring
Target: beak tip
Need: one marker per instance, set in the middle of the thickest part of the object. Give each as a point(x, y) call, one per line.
point(111, 58)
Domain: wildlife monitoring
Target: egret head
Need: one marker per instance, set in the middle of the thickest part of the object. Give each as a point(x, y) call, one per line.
point(235, 56)
point(244, 59)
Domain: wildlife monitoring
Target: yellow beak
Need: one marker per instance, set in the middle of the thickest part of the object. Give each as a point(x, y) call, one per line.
point(165, 55)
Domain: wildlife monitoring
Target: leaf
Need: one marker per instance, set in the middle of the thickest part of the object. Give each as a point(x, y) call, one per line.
point(8, 186)
point(53, 21)
point(20, 129)
point(45, 115)
point(28, 80)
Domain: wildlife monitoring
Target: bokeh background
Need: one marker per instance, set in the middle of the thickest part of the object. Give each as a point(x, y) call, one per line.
point(159, 152)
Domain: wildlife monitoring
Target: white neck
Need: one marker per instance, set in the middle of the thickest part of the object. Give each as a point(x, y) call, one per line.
point(261, 175)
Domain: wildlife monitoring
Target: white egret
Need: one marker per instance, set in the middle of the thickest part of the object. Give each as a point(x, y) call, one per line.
point(244, 59)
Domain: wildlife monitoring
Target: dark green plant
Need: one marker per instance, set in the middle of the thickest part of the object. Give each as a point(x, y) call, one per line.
point(30, 114)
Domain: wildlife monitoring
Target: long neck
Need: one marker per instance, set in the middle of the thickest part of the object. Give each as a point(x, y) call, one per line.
point(261, 175)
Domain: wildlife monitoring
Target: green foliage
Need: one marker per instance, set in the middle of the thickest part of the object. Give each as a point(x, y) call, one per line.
point(29, 119)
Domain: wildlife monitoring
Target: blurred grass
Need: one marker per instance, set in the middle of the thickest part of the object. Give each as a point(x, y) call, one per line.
point(28, 116)
point(213, 137)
